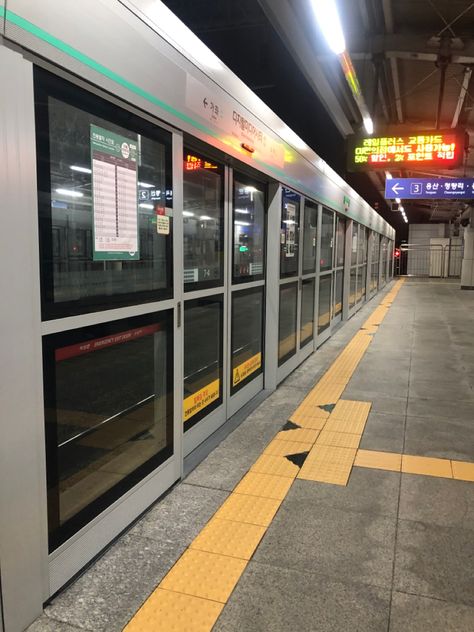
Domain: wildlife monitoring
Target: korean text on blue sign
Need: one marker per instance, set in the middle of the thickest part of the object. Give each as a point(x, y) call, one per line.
point(426, 188)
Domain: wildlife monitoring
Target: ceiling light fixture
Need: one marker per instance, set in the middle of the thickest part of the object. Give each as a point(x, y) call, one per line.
point(329, 22)
point(70, 193)
point(80, 169)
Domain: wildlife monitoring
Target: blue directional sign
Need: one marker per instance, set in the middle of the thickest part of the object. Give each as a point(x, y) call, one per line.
point(426, 188)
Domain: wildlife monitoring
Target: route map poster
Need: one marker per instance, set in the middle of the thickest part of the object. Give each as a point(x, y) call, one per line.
point(114, 196)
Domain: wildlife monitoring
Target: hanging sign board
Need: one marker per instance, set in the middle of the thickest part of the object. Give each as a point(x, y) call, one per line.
point(114, 195)
point(436, 149)
point(426, 188)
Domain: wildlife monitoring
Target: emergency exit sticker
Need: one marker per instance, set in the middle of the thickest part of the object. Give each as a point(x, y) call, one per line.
point(199, 400)
point(246, 368)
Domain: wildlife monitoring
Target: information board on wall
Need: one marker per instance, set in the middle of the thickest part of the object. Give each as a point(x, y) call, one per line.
point(114, 195)
point(426, 188)
point(440, 149)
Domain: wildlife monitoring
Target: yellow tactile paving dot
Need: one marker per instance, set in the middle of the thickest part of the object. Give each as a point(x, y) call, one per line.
point(304, 417)
point(351, 409)
point(426, 466)
point(338, 439)
point(301, 435)
point(379, 460)
point(249, 509)
point(276, 465)
point(264, 485)
point(205, 575)
point(283, 448)
point(351, 426)
point(166, 611)
point(331, 454)
point(463, 471)
point(327, 394)
point(326, 473)
point(312, 409)
point(226, 537)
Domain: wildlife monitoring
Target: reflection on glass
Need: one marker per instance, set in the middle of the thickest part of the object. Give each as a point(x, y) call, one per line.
point(324, 311)
point(375, 264)
point(338, 292)
point(340, 240)
point(202, 358)
point(309, 236)
point(203, 221)
point(327, 239)
point(353, 287)
point(355, 233)
point(108, 411)
point(249, 230)
point(247, 336)
point(383, 257)
point(362, 244)
point(287, 322)
point(81, 215)
point(307, 312)
point(289, 233)
point(361, 281)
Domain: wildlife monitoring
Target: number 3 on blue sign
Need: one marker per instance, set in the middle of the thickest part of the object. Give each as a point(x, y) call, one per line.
point(416, 188)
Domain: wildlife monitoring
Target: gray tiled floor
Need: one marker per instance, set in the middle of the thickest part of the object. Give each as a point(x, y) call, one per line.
point(388, 553)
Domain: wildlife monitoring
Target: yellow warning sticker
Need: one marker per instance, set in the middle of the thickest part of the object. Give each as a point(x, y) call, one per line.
point(246, 368)
point(200, 399)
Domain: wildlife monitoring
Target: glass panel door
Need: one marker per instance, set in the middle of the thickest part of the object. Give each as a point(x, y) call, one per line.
point(329, 252)
point(247, 290)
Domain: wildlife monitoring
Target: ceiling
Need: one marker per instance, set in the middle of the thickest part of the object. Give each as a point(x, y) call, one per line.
point(400, 49)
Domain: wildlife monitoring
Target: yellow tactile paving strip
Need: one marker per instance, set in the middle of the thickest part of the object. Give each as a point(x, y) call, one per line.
point(193, 593)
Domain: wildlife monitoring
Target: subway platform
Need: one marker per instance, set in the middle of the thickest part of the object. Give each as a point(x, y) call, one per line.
point(344, 502)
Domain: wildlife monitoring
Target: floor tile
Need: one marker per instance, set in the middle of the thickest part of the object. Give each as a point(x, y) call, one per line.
point(167, 611)
point(435, 561)
point(302, 435)
point(205, 575)
point(426, 466)
point(440, 437)
point(463, 471)
point(180, 515)
point(283, 448)
point(45, 624)
point(249, 509)
point(378, 460)
point(269, 599)
point(126, 575)
point(338, 439)
point(226, 537)
point(441, 501)
point(440, 408)
point(368, 491)
point(420, 614)
point(332, 542)
point(277, 465)
point(264, 485)
point(383, 432)
point(351, 426)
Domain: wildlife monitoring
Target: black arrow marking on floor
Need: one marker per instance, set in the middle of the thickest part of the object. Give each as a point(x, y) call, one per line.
point(298, 459)
point(290, 426)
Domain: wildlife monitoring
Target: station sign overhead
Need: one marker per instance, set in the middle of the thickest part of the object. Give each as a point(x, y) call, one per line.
point(440, 149)
point(426, 188)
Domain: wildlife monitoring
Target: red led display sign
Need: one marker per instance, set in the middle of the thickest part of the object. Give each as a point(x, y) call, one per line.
point(440, 149)
point(193, 163)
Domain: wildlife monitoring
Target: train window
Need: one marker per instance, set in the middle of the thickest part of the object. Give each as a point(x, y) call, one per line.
point(203, 222)
point(249, 230)
point(309, 236)
point(203, 346)
point(327, 240)
point(105, 198)
point(109, 414)
point(289, 233)
point(247, 336)
point(287, 322)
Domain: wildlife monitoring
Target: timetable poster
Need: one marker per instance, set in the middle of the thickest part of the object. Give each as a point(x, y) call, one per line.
point(115, 196)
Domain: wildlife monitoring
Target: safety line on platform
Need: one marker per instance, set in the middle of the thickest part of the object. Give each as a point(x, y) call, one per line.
point(318, 443)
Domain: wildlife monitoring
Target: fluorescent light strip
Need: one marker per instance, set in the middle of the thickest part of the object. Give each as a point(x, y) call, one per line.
point(80, 169)
point(145, 205)
point(328, 19)
point(70, 193)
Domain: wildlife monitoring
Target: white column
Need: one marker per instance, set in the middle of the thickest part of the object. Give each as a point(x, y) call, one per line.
point(467, 269)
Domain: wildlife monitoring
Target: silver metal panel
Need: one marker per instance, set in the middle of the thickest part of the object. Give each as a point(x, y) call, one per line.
point(153, 74)
point(243, 396)
point(193, 437)
point(272, 297)
point(23, 526)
